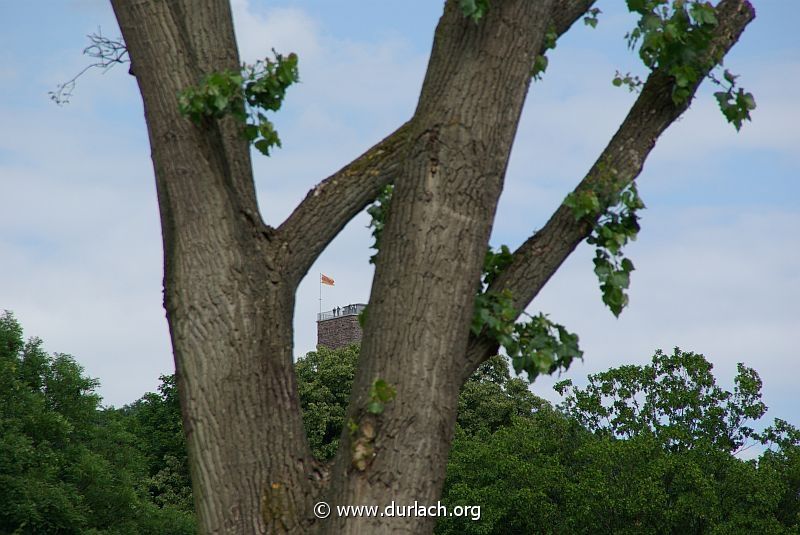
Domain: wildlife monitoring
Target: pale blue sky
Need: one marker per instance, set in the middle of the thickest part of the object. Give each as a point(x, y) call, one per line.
point(718, 268)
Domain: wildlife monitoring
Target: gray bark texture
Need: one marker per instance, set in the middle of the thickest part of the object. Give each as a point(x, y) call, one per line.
point(230, 280)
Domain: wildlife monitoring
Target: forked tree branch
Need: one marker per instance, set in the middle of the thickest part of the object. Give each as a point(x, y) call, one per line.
point(336, 200)
point(541, 255)
point(330, 205)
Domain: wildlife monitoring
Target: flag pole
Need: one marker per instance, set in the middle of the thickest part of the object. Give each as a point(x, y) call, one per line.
point(320, 293)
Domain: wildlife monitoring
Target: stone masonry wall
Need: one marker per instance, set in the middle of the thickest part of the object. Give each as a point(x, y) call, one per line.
point(338, 332)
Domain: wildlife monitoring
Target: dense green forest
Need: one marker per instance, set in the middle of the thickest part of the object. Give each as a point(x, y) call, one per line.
point(640, 449)
point(68, 465)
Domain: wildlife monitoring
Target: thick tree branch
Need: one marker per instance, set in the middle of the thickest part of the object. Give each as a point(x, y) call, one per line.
point(336, 200)
point(197, 21)
point(536, 260)
point(229, 312)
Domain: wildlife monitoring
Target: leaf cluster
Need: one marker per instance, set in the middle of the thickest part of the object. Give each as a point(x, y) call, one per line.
point(536, 345)
point(735, 103)
point(545, 474)
point(380, 393)
point(494, 263)
point(66, 464)
point(591, 17)
point(604, 468)
point(675, 399)
point(540, 62)
point(675, 36)
point(155, 421)
point(246, 96)
point(378, 211)
point(614, 222)
point(631, 81)
point(491, 398)
point(474, 9)
point(324, 381)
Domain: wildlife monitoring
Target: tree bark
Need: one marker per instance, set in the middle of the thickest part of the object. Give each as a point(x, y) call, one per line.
point(229, 307)
point(433, 245)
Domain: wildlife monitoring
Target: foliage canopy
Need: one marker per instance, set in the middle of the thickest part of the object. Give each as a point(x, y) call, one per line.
point(640, 449)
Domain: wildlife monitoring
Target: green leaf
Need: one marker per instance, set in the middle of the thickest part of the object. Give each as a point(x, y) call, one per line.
point(382, 391)
point(637, 6)
point(620, 279)
point(627, 265)
point(474, 9)
point(378, 211)
point(591, 18)
point(251, 132)
point(220, 102)
point(468, 7)
point(539, 66)
point(584, 204)
point(748, 101)
point(611, 232)
point(263, 146)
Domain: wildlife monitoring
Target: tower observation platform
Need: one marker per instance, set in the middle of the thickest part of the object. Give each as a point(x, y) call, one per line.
point(339, 327)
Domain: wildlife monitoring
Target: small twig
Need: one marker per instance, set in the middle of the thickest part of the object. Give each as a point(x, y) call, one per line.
point(108, 52)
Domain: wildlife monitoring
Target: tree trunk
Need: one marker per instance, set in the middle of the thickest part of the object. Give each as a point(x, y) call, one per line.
point(229, 307)
point(430, 261)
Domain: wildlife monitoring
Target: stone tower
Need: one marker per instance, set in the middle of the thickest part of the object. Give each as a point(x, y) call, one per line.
point(339, 327)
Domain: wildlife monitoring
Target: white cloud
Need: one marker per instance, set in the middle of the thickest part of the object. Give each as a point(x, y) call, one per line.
point(284, 29)
point(79, 235)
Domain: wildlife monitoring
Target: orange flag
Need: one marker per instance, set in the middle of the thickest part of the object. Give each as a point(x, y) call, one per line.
point(324, 279)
